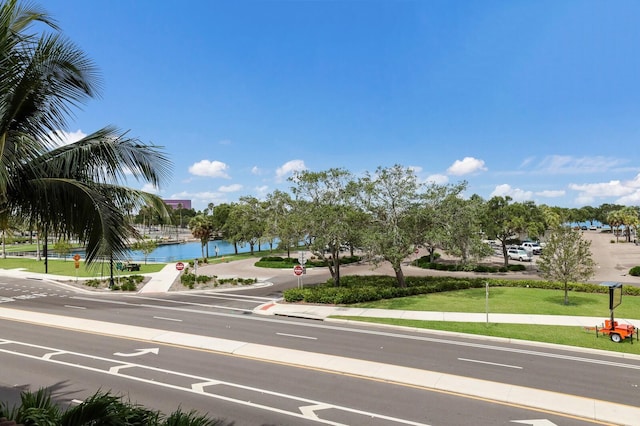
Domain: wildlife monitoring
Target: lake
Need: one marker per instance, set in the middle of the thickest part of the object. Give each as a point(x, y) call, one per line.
point(191, 250)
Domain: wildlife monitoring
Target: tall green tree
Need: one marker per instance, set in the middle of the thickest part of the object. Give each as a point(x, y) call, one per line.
point(201, 227)
point(506, 221)
point(389, 197)
point(77, 189)
point(463, 229)
point(324, 204)
point(566, 258)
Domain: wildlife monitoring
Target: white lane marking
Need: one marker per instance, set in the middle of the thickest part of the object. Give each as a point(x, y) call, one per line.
point(382, 333)
point(74, 307)
point(228, 296)
point(477, 361)
point(197, 387)
point(168, 319)
point(180, 302)
point(297, 335)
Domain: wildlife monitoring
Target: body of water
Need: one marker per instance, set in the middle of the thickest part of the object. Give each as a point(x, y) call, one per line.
point(192, 250)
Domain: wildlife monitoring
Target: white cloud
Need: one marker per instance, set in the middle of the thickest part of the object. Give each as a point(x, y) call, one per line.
point(466, 166)
point(584, 200)
point(150, 188)
point(551, 193)
point(262, 191)
point(65, 138)
point(613, 188)
point(526, 161)
point(628, 192)
point(632, 199)
point(288, 168)
point(515, 193)
point(566, 164)
point(437, 179)
point(216, 169)
point(225, 142)
point(230, 188)
point(200, 200)
point(415, 169)
point(255, 170)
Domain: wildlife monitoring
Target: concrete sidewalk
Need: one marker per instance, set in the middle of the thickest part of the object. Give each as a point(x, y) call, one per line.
point(322, 312)
point(160, 281)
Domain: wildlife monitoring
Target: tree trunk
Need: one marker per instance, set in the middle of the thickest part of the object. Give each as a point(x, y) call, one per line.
point(504, 254)
point(399, 276)
point(566, 293)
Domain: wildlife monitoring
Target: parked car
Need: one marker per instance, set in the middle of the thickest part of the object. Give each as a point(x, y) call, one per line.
point(519, 254)
point(533, 247)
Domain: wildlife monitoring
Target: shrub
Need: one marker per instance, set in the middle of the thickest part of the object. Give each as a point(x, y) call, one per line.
point(356, 289)
point(635, 271)
point(516, 268)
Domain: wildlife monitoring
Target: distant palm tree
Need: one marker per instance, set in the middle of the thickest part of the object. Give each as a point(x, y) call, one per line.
point(77, 189)
point(201, 227)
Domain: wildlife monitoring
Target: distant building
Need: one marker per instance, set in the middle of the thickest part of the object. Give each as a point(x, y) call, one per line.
point(175, 204)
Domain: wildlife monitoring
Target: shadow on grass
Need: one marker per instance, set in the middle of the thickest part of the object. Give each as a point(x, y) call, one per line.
point(575, 301)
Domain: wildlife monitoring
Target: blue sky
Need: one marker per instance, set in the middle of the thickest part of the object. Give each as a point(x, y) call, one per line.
point(539, 100)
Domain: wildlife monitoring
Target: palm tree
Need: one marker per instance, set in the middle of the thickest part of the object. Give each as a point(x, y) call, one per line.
point(76, 189)
point(201, 227)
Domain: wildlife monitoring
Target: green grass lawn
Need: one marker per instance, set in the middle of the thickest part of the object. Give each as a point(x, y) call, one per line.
point(513, 300)
point(67, 268)
point(562, 335)
point(516, 301)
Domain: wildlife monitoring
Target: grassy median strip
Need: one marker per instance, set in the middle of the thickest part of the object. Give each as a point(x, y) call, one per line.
point(512, 300)
point(67, 267)
point(562, 335)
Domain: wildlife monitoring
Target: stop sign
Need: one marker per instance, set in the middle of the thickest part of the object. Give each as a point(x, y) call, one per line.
point(179, 266)
point(298, 270)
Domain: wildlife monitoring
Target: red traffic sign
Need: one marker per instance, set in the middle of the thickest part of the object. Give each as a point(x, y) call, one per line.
point(298, 270)
point(179, 266)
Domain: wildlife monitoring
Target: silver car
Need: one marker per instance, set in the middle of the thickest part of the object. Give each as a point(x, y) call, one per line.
point(519, 254)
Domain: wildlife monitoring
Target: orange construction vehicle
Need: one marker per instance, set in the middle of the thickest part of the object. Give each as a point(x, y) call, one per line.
point(617, 332)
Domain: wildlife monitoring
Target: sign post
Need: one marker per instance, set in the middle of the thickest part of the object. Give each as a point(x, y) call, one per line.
point(298, 270)
point(76, 259)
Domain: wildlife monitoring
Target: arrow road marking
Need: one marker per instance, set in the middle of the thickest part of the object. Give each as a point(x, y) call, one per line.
point(535, 422)
point(309, 410)
point(140, 352)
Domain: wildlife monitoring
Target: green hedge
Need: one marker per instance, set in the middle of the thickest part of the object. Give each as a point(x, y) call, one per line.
point(424, 263)
point(357, 289)
point(289, 262)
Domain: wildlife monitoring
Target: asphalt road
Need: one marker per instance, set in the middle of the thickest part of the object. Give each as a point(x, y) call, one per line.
point(249, 392)
point(228, 316)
